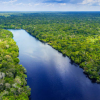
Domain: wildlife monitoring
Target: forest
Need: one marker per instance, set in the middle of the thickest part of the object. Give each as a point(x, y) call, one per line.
point(75, 34)
point(13, 84)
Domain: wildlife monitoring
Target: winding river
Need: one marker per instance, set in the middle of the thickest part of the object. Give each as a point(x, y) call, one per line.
point(52, 76)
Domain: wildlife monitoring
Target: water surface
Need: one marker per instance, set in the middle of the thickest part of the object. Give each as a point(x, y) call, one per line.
point(52, 76)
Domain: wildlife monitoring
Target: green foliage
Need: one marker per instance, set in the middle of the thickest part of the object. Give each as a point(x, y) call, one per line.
point(74, 34)
point(12, 75)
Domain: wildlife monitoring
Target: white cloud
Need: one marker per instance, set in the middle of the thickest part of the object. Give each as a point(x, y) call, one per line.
point(36, 4)
point(11, 1)
point(63, 4)
point(29, 4)
point(19, 4)
point(49, 4)
point(91, 2)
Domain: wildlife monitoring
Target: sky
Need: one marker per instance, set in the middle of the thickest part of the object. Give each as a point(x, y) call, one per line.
point(49, 5)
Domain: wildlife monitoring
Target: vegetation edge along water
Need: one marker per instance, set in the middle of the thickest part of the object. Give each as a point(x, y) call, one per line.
point(75, 34)
point(13, 84)
point(92, 73)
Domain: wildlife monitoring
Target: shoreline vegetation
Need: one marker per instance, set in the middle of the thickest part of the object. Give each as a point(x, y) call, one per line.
point(55, 46)
point(13, 84)
point(75, 34)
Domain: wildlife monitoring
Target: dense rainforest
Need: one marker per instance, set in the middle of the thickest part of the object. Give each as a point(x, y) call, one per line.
point(12, 75)
point(75, 34)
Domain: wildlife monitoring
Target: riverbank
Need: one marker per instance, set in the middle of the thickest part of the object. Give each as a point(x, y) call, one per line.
point(13, 84)
point(74, 34)
point(49, 74)
point(76, 56)
point(81, 53)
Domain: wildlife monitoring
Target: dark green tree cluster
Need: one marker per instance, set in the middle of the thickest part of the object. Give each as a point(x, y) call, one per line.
point(13, 85)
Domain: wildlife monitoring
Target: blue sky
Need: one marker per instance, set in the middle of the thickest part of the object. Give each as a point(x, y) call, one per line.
point(49, 5)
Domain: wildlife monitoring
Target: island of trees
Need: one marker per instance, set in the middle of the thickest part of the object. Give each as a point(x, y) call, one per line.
point(75, 34)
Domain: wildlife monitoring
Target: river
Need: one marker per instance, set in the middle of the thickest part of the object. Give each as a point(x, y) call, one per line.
point(50, 75)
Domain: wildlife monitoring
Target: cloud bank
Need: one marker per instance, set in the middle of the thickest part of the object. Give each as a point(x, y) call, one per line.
point(49, 5)
point(11, 1)
point(81, 2)
point(91, 2)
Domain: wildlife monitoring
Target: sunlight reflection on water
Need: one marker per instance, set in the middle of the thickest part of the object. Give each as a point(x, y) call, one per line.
point(50, 75)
